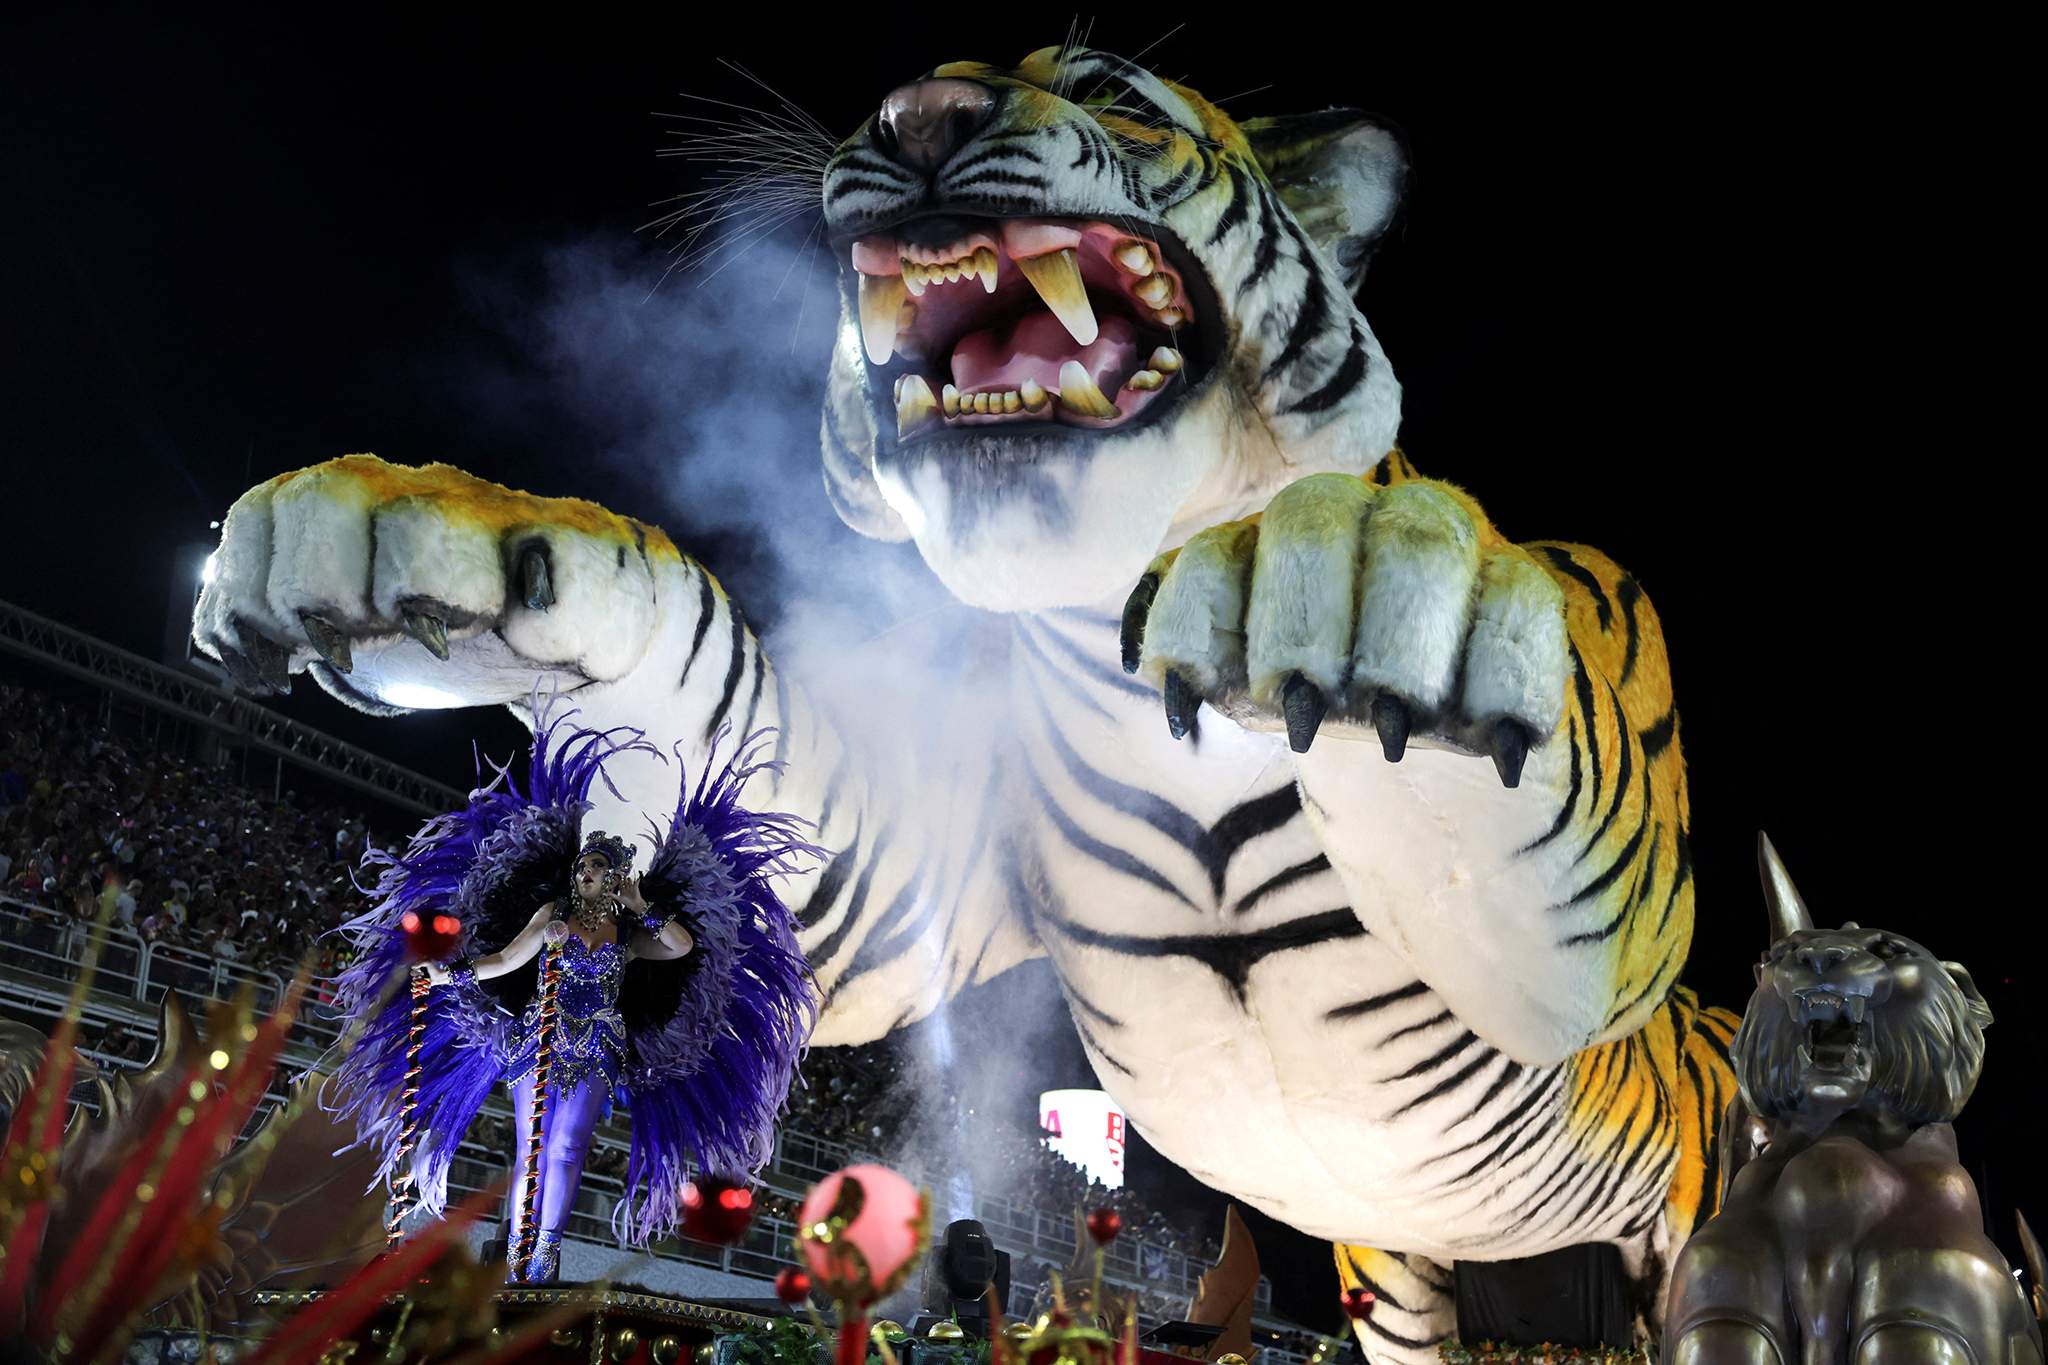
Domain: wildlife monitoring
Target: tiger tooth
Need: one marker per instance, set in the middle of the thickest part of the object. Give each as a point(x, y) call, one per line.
point(896, 393)
point(952, 271)
point(1011, 402)
point(1031, 395)
point(1144, 380)
point(949, 398)
point(981, 403)
point(1165, 359)
point(985, 262)
point(881, 304)
point(913, 277)
point(1170, 317)
point(1135, 257)
point(1079, 394)
point(1057, 278)
point(906, 317)
point(1155, 290)
point(913, 405)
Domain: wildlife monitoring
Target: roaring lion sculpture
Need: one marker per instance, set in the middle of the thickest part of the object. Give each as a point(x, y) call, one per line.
point(1847, 1230)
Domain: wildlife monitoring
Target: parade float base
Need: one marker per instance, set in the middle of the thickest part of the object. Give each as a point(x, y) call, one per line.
point(593, 1326)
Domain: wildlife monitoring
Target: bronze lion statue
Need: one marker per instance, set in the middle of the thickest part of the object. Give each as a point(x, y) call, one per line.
point(1847, 1231)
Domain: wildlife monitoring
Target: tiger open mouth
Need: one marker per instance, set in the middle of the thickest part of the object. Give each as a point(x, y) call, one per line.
point(1834, 1025)
point(1008, 325)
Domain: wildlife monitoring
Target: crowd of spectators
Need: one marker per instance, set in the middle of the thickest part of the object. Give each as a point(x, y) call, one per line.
point(182, 854)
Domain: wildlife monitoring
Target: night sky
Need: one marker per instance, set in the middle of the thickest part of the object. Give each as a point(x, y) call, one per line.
point(1705, 302)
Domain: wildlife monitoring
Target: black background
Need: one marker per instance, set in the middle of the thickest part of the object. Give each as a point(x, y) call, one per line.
point(1725, 303)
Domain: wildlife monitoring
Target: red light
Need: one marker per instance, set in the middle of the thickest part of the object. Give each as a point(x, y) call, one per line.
point(736, 1199)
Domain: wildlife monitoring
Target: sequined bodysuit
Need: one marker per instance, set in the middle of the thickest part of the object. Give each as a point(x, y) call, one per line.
point(590, 1034)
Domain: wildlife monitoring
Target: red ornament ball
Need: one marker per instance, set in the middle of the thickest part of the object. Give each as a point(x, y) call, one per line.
point(717, 1210)
point(430, 938)
point(1358, 1304)
point(792, 1286)
point(1104, 1225)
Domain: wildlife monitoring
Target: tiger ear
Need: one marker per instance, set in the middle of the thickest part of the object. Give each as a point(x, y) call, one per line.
point(1341, 172)
point(1980, 1009)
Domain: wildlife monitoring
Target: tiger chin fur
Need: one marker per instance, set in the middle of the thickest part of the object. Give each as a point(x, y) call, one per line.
point(1395, 1005)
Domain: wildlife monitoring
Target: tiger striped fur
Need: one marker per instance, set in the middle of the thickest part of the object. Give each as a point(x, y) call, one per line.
point(1400, 1005)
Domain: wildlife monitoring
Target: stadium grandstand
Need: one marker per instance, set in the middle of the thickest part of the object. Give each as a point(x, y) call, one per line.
point(221, 838)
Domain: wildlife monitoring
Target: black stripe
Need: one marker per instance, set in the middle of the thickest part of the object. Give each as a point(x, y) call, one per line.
point(782, 722)
point(1269, 241)
point(822, 955)
point(754, 702)
point(1113, 858)
point(1096, 1046)
point(1097, 669)
point(1038, 659)
point(1621, 776)
point(1448, 1083)
point(1627, 592)
point(1309, 321)
point(1658, 737)
point(1466, 1038)
point(1242, 824)
point(1582, 687)
point(1679, 877)
point(830, 883)
point(1285, 877)
point(987, 178)
point(1571, 796)
point(1230, 956)
point(732, 669)
point(988, 154)
point(1600, 883)
point(1166, 193)
point(1440, 1017)
point(841, 186)
point(1501, 1125)
point(707, 607)
point(1234, 211)
point(1583, 576)
point(1376, 1002)
point(1349, 374)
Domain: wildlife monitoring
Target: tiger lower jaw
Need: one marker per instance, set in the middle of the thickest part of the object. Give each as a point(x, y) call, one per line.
point(1010, 526)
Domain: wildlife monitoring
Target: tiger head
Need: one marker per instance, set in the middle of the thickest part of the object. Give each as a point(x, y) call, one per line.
point(1081, 305)
point(1855, 1020)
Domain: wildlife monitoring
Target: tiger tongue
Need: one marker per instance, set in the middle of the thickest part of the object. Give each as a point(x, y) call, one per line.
point(1035, 347)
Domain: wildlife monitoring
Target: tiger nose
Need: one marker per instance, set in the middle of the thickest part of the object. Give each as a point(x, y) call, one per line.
point(924, 122)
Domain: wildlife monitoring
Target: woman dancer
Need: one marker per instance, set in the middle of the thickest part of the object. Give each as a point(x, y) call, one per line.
point(680, 994)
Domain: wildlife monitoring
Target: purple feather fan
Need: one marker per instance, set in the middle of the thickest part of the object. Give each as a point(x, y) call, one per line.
point(714, 1039)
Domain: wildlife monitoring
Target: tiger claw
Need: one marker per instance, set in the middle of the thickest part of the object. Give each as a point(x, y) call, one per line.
point(1510, 750)
point(1131, 635)
point(242, 670)
point(1304, 705)
point(536, 583)
point(429, 629)
point(1391, 718)
point(327, 641)
point(272, 661)
point(1181, 704)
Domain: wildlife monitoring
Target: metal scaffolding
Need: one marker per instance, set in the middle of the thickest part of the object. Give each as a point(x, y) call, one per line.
point(239, 719)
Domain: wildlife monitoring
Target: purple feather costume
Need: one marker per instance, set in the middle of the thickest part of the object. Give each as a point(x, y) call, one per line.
point(702, 1050)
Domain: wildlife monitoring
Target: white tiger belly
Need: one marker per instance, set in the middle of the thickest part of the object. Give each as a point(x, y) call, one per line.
point(1252, 1028)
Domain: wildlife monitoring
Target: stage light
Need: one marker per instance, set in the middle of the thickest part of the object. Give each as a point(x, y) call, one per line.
point(209, 568)
point(957, 1275)
point(418, 697)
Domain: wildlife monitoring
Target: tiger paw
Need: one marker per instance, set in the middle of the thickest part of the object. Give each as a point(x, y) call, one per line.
point(1391, 613)
point(406, 588)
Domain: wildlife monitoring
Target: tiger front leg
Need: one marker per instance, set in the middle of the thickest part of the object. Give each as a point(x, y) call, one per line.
point(1483, 733)
point(404, 588)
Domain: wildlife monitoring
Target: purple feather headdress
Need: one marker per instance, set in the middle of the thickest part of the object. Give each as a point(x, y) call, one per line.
point(714, 1040)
